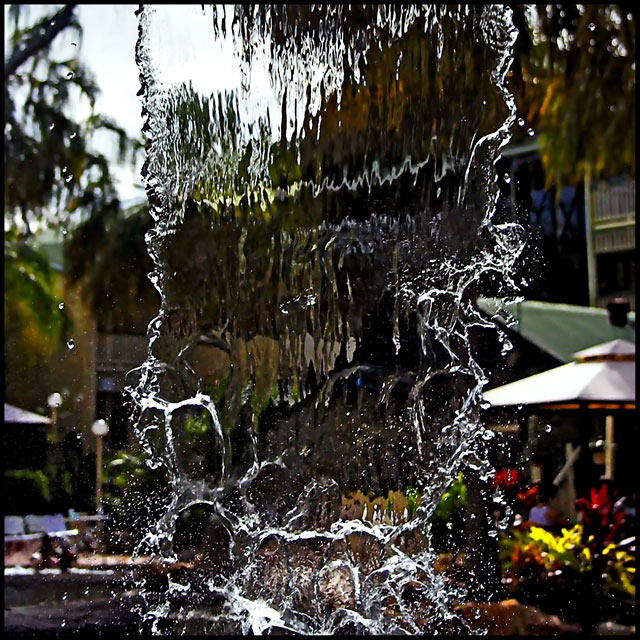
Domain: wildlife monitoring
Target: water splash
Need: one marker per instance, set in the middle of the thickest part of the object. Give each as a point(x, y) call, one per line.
point(323, 188)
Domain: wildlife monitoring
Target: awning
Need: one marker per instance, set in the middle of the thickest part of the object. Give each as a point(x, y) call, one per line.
point(562, 329)
point(15, 415)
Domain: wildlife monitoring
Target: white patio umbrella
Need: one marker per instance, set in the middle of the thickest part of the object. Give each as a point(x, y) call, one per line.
point(15, 415)
point(602, 377)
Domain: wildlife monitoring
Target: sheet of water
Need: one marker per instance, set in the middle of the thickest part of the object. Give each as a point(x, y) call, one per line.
point(323, 189)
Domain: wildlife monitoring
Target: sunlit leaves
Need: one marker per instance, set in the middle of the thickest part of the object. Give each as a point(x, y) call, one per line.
point(575, 85)
point(31, 300)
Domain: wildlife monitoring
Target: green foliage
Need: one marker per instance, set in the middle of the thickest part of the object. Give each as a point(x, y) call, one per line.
point(31, 489)
point(413, 501)
point(133, 493)
point(538, 546)
point(66, 483)
point(453, 500)
point(574, 83)
point(537, 555)
point(621, 564)
point(52, 177)
point(106, 254)
point(31, 310)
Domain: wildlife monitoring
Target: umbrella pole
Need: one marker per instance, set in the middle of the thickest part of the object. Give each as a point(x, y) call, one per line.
point(610, 445)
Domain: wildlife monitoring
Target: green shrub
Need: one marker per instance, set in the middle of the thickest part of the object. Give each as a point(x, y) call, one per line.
point(26, 491)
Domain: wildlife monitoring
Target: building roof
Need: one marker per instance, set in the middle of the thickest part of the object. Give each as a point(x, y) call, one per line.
point(562, 329)
point(15, 415)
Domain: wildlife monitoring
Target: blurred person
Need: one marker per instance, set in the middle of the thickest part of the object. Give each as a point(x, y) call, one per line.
point(48, 555)
point(542, 514)
point(629, 508)
point(67, 555)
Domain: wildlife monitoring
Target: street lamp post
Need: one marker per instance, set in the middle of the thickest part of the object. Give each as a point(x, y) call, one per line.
point(53, 454)
point(54, 401)
point(99, 428)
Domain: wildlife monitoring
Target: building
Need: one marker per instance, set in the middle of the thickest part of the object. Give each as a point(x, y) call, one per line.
point(582, 249)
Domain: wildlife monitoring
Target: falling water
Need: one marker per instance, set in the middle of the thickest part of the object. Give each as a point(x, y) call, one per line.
point(323, 190)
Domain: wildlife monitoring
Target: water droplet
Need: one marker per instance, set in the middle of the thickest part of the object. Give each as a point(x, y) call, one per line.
point(507, 178)
point(521, 122)
point(531, 132)
point(71, 344)
point(72, 135)
point(64, 169)
point(68, 179)
point(52, 127)
point(548, 428)
point(74, 44)
point(592, 27)
point(70, 75)
point(61, 306)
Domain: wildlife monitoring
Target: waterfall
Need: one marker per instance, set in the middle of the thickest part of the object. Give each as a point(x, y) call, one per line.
point(323, 187)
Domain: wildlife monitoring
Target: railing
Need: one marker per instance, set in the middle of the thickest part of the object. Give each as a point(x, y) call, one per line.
point(618, 239)
point(613, 211)
point(120, 352)
point(614, 201)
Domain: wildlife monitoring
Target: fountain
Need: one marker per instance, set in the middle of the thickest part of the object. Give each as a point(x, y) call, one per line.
point(323, 189)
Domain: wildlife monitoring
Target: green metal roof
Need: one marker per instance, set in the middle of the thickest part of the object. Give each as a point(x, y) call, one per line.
point(562, 329)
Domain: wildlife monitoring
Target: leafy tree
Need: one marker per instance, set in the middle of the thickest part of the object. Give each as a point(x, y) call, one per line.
point(574, 84)
point(31, 311)
point(106, 254)
point(53, 177)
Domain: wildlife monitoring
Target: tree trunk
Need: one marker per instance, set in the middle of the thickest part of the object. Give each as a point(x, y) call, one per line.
point(59, 22)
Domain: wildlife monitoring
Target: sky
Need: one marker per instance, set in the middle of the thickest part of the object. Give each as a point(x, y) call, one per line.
point(108, 50)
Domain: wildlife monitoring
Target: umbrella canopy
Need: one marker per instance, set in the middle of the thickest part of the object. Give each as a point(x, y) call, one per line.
point(14, 415)
point(603, 377)
point(615, 350)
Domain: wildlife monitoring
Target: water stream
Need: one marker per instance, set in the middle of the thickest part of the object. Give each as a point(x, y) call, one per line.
point(323, 187)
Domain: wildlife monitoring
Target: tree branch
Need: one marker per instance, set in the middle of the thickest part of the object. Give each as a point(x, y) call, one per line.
point(58, 23)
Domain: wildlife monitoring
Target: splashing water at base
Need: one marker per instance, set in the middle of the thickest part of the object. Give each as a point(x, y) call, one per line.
point(323, 189)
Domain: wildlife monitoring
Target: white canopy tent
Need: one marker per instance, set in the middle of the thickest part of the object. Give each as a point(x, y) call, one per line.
point(15, 415)
point(602, 377)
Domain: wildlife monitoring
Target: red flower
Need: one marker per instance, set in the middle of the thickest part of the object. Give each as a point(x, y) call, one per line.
point(505, 478)
point(601, 516)
point(528, 496)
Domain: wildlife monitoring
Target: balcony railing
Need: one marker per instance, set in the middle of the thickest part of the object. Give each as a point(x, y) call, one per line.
point(613, 215)
point(616, 239)
point(614, 201)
